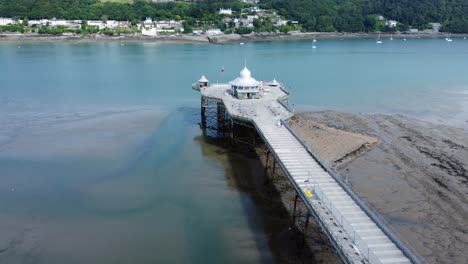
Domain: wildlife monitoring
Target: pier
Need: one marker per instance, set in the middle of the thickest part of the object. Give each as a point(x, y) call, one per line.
point(357, 233)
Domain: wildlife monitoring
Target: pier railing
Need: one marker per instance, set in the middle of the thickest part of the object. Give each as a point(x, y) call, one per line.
point(361, 245)
point(374, 215)
point(300, 192)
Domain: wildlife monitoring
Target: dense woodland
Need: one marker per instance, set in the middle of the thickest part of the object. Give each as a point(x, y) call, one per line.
point(357, 15)
point(313, 15)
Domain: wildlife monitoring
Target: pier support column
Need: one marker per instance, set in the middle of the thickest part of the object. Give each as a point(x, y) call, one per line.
point(304, 232)
point(203, 113)
point(294, 208)
point(266, 163)
point(273, 172)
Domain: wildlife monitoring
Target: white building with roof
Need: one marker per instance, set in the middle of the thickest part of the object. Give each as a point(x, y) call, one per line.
point(391, 23)
point(148, 23)
point(245, 86)
point(58, 22)
point(7, 21)
point(203, 82)
point(225, 11)
point(33, 22)
point(112, 23)
point(213, 31)
point(96, 23)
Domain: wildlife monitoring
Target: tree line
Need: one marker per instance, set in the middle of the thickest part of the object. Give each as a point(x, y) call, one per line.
point(360, 15)
point(313, 15)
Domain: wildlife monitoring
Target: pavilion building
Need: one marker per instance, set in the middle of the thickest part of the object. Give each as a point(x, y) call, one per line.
point(244, 86)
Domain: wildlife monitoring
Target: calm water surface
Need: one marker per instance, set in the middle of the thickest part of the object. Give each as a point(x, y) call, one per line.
point(101, 159)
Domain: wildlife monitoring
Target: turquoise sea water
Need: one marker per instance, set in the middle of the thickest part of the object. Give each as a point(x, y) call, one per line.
point(101, 159)
point(422, 77)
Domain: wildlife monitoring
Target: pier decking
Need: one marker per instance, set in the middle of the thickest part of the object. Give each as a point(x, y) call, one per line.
point(357, 236)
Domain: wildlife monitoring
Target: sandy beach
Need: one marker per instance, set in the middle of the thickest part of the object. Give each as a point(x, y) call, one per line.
point(414, 173)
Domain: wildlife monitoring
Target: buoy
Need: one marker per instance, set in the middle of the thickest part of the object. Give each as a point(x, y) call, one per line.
point(222, 69)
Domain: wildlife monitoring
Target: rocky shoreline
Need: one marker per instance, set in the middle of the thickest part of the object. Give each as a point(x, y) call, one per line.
point(202, 39)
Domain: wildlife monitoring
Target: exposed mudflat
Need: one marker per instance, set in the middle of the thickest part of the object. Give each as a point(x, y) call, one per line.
point(415, 173)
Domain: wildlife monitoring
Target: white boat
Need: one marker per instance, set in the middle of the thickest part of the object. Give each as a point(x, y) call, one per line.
point(391, 38)
point(314, 47)
point(448, 38)
point(242, 43)
point(378, 40)
point(314, 40)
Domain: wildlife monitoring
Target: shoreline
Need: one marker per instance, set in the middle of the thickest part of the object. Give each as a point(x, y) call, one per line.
point(216, 39)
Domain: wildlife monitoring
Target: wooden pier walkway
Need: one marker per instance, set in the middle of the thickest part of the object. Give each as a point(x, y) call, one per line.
point(354, 231)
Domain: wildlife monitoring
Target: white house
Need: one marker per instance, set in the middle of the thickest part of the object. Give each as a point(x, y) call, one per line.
point(225, 11)
point(112, 23)
point(279, 22)
point(236, 22)
point(96, 23)
point(391, 23)
point(124, 24)
point(169, 25)
point(213, 31)
point(58, 22)
point(148, 22)
point(381, 18)
point(251, 18)
point(151, 32)
point(44, 22)
point(254, 9)
point(34, 22)
point(435, 26)
point(7, 21)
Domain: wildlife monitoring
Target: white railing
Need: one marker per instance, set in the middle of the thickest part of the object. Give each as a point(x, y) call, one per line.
point(360, 244)
point(384, 226)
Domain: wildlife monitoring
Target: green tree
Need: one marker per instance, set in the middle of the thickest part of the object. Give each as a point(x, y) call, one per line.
point(325, 24)
point(243, 30)
point(187, 28)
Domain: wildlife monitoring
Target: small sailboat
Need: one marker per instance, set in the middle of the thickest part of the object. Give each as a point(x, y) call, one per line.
point(391, 38)
point(378, 40)
point(448, 38)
